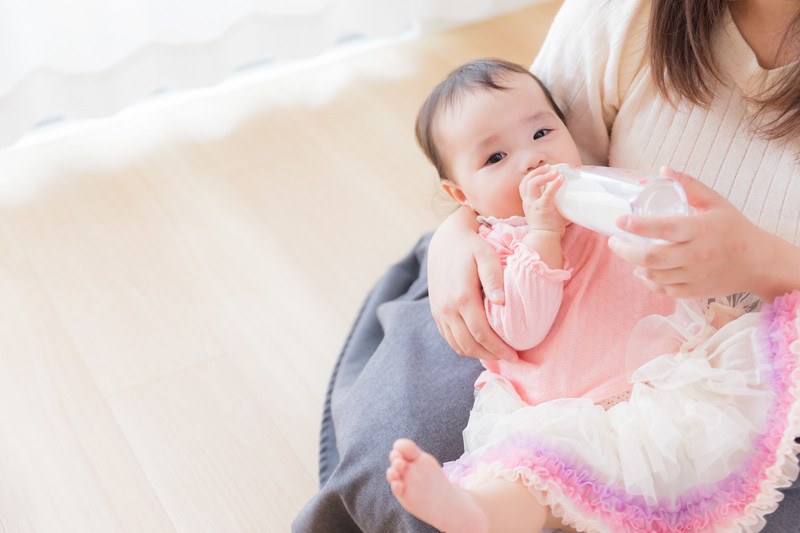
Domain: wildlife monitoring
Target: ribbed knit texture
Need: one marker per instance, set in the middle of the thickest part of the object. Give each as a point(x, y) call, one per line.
point(718, 146)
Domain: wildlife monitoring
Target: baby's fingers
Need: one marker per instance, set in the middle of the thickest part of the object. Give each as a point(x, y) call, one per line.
point(549, 194)
point(535, 180)
point(539, 172)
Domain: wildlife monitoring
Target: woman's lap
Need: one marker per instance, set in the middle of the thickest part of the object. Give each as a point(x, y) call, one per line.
point(397, 377)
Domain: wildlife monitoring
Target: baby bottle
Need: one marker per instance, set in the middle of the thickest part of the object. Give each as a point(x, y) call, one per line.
point(594, 197)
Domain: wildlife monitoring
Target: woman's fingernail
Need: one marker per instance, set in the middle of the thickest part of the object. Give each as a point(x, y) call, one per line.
point(668, 172)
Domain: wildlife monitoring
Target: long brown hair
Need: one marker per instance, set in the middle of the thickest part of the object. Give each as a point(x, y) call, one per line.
point(680, 43)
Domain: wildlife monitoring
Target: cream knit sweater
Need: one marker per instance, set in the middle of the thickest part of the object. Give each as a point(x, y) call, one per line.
point(595, 64)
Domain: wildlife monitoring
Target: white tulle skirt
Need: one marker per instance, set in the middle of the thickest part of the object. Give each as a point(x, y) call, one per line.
point(703, 444)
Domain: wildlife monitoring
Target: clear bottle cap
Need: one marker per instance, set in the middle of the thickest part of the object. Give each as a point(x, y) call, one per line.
point(594, 196)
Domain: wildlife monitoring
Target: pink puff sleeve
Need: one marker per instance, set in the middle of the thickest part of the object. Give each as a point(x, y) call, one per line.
point(533, 291)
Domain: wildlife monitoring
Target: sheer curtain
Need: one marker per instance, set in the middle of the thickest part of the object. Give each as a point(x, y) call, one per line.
point(90, 58)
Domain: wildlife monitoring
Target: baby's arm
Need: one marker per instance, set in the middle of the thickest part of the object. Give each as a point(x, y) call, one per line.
point(545, 224)
point(533, 274)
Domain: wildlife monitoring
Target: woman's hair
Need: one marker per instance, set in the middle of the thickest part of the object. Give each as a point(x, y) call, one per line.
point(680, 43)
point(484, 74)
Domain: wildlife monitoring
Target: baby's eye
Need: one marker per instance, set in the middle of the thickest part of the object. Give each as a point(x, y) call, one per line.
point(495, 158)
point(539, 134)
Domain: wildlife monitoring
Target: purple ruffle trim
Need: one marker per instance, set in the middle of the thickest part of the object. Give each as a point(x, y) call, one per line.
point(742, 498)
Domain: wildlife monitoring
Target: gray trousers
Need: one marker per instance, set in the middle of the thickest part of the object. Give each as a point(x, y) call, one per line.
point(397, 377)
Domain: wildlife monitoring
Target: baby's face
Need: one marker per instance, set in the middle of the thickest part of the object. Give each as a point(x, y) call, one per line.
point(492, 139)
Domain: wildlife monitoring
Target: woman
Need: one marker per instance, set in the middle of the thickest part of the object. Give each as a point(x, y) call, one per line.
point(708, 87)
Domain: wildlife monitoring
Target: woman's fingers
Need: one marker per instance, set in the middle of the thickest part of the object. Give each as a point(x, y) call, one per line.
point(699, 195)
point(649, 255)
point(670, 276)
point(490, 274)
point(469, 334)
point(477, 339)
point(716, 251)
point(675, 229)
point(446, 333)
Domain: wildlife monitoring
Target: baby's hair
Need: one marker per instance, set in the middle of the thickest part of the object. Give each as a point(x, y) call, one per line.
point(477, 74)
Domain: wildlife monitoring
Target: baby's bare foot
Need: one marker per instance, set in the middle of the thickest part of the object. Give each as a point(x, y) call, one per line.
point(421, 486)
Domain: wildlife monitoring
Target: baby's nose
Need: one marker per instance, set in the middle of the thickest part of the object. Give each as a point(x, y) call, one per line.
point(531, 163)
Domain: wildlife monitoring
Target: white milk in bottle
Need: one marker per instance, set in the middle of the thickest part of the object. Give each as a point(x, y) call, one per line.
point(594, 197)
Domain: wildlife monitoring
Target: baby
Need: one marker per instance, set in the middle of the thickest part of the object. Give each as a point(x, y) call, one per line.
point(575, 435)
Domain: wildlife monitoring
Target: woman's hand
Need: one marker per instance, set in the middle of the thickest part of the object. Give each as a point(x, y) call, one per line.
point(715, 252)
point(460, 264)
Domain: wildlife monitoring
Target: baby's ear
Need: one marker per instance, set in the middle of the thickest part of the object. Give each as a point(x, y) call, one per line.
point(455, 192)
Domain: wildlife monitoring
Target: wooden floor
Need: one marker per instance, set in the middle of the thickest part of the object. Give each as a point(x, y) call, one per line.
point(176, 285)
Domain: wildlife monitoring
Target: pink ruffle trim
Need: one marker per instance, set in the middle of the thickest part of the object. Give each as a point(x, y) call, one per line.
point(739, 501)
point(531, 262)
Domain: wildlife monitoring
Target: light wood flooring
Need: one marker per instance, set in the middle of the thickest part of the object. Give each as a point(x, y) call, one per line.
point(175, 286)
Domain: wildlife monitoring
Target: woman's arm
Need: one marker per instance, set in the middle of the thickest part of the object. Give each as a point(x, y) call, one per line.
point(461, 265)
point(715, 252)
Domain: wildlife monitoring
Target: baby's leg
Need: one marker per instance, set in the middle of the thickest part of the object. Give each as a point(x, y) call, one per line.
point(422, 487)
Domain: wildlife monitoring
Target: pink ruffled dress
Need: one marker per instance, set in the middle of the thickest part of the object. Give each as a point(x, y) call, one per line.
point(699, 438)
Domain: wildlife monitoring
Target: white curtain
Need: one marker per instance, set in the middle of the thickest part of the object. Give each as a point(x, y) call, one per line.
point(90, 58)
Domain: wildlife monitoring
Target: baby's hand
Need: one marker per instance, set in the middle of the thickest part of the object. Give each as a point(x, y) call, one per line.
point(538, 191)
